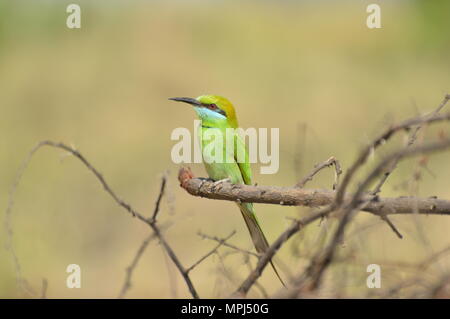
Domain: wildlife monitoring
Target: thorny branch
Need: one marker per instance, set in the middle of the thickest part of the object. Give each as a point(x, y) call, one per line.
point(345, 205)
point(293, 196)
point(412, 138)
point(149, 221)
point(380, 140)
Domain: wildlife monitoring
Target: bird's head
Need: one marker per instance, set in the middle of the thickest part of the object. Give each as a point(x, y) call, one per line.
point(213, 110)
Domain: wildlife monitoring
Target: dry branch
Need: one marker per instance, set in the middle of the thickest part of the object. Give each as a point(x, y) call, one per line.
point(149, 221)
point(293, 196)
point(346, 204)
point(383, 138)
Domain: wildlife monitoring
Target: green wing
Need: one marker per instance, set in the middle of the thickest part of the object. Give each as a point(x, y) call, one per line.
point(259, 240)
point(242, 159)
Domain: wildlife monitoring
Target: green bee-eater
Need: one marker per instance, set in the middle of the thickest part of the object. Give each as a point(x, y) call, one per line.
point(217, 113)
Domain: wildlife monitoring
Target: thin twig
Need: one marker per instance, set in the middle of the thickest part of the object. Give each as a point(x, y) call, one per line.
point(22, 283)
point(317, 168)
point(158, 201)
point(222, 241)
point(212, 251)
point(130, 269)
point(392, 226)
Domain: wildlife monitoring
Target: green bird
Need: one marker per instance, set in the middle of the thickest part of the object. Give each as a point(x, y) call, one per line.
point(216, 113)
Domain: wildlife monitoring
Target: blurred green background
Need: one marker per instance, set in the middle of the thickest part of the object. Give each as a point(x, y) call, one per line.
point(313, 69)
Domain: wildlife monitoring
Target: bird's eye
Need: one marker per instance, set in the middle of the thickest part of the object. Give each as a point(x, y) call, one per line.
point(212, 106)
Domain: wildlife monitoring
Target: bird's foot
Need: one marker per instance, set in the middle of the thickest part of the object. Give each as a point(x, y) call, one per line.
point(220, 182)
point(204, 180)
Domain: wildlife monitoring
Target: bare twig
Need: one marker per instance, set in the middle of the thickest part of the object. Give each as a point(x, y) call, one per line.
point(329, 162)
point(158, 200)
point(175, 260)
point(130, 269)
point(391, 225)
point(222, 241)
point(212, 251)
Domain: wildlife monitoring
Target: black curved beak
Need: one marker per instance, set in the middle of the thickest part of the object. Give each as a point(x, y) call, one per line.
point(188, 100)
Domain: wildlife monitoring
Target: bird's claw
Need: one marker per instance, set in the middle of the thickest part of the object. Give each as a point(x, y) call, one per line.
point(204, 179)
point(225, 180)
point(220, 182)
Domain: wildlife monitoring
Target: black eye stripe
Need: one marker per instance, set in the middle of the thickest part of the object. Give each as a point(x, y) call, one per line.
point(215, 108)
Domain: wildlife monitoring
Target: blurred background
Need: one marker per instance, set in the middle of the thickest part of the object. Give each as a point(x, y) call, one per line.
point(311, 68)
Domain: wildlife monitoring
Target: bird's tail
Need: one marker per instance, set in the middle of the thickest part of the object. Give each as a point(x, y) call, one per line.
point(258, 238)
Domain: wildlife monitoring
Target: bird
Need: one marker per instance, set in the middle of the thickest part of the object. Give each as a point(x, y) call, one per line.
point(218, 114)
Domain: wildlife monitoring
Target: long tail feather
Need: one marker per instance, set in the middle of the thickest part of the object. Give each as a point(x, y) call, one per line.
point(256, 233)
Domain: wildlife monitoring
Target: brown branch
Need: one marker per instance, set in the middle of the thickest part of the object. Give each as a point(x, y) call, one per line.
point(319, 264)
point(346, 205)
point(293, 196)
point(282, 196)
point(271, 251)
point(175, 260)
point(412, 138)
point(381, 139)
